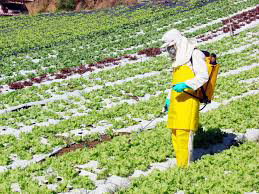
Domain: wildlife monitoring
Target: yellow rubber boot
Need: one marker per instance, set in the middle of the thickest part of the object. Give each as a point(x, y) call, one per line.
point(183, 145)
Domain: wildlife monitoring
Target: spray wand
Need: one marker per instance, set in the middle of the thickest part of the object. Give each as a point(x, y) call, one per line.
point(142, 129)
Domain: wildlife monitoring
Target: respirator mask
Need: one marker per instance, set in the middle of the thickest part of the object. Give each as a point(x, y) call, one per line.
point(172, 51)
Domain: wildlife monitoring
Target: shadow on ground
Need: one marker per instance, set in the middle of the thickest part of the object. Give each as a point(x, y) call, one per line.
point(211, 141)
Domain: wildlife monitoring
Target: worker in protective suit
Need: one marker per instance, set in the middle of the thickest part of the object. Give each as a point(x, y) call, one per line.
point(183, 112)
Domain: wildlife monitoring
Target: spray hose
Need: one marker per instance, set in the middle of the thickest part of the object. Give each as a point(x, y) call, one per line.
point(142, 129)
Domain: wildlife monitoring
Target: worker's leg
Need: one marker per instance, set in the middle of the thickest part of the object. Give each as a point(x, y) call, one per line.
point(183, 146)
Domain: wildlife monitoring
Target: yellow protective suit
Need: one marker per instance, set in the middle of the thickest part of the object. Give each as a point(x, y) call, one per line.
point(183, 146)
point(183, 111)
point(183, 117)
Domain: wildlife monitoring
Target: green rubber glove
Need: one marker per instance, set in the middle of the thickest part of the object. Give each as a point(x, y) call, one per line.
point(167, 103)
point(179, 87)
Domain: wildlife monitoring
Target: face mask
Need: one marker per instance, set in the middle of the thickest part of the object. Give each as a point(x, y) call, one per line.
point(172, 52)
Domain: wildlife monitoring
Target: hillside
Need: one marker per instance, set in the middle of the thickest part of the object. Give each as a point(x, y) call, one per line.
point(76, 5)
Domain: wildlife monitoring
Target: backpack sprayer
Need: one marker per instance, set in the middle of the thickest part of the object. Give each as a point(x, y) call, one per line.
point(205, 92)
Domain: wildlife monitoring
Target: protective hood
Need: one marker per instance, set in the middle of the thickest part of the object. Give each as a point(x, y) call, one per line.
point(184, 46)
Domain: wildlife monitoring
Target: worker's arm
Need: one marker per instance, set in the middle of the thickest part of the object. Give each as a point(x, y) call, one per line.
point(200, 70)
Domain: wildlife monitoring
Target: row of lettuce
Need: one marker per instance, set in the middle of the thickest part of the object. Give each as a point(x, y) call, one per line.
point(97, 99)
point(118, 157)
point(138, 87)
point(215, 173)
point(76, 26)
point(29, 144)
point(46, 91)
point(100, 44)
point(232, 171)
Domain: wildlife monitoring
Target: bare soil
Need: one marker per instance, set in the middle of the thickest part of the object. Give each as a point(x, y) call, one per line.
point(87, 144)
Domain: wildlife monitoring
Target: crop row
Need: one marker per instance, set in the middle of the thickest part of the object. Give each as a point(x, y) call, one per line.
point(34, 93)
point(83, 28)
point(232, 171)
point(231, 61)
point(97, 99)
point(63, 74)
point(29, 144)
point(66, 72)
point(101, 49)
point(9, 24)
point(239, 116)
point(82, 69)
point(117, 121)
point(135, 18)
point(118, 157)
point(42, 92)
point(122, 97)
point(249, 16)
point(101, 75)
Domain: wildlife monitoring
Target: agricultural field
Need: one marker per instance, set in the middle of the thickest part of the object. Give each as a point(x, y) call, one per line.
point(76, 87)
